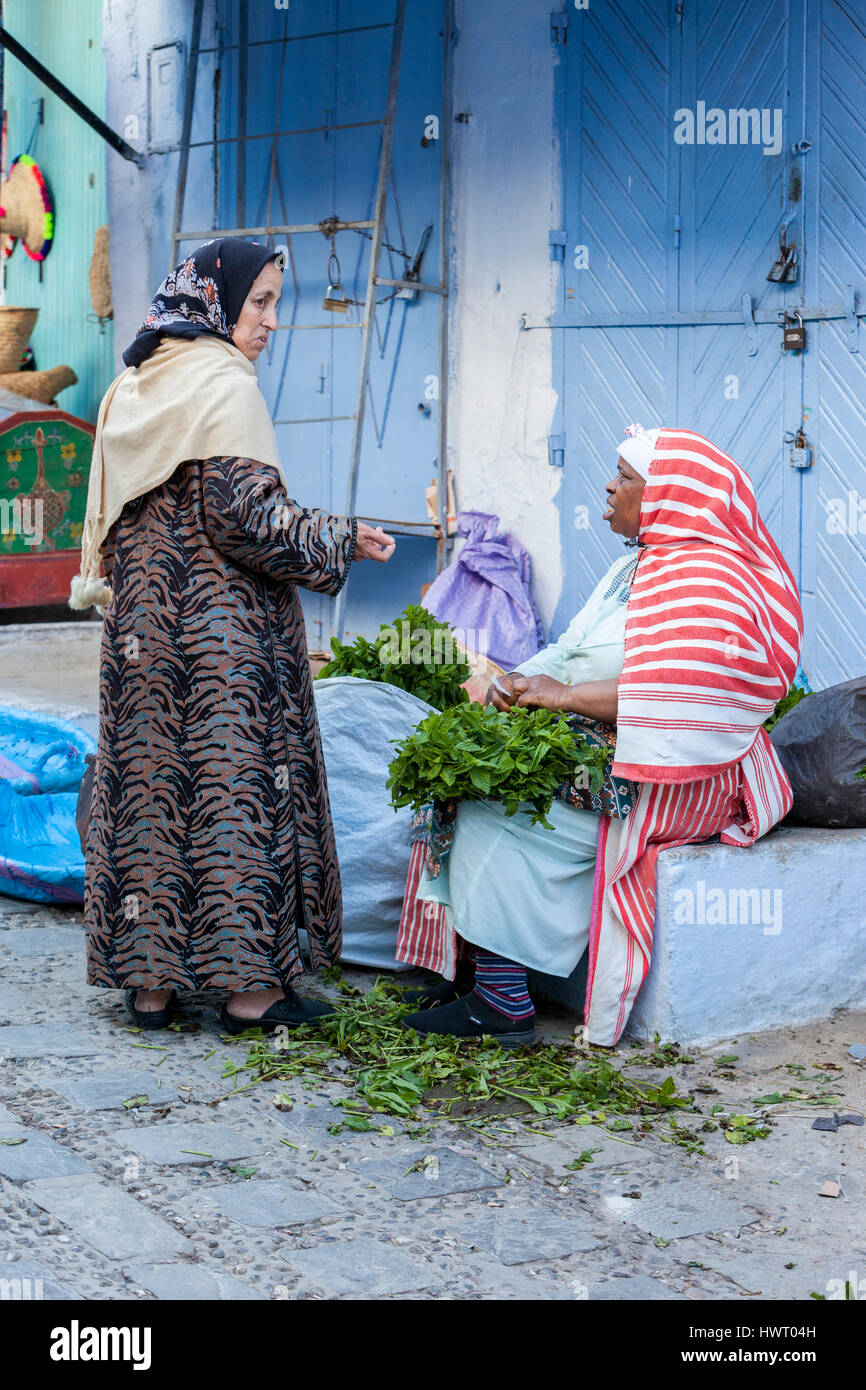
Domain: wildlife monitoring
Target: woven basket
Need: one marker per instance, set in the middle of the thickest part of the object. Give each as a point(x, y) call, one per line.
point(100, 276)
point(38, 386)
point(16, 325)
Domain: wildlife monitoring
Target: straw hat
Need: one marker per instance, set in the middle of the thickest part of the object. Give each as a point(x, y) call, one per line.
point(38, 386)
point(16, 325)
point(26, 210)
point(100, 276)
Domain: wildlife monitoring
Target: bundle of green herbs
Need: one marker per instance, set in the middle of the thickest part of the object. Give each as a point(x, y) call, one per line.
point(475, 753)
point(416, 653)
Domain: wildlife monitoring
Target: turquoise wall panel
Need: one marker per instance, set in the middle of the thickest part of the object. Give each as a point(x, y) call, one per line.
point(67, 38)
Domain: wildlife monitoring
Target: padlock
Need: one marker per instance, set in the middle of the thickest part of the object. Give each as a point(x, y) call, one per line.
point(793, 338)
point(801, 454)
point(335, 300)
point(783, 271)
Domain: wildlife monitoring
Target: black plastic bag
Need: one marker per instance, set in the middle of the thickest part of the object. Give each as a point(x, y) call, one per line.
point(821, 744)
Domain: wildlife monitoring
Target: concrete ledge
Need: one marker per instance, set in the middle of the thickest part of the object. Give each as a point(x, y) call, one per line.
point(749, 939)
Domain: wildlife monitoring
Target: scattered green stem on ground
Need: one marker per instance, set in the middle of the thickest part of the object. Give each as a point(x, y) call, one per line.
point(396, 1072)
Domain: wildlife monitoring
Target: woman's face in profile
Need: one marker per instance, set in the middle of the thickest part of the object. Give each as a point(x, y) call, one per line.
point(624, 495)
point(258, 317)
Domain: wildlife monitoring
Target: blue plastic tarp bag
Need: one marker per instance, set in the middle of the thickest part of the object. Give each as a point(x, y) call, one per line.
point(42, 760)
point(485, 595)
point(358, 719)
point(40, 753)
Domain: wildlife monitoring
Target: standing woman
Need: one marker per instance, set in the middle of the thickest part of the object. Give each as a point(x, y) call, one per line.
point(210, 844)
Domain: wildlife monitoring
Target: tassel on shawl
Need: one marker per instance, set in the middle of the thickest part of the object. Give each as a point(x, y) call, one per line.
point(89, 588)
point(85, 593)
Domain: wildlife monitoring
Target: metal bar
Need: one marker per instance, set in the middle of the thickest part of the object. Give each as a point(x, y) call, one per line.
point(444, 543)
point(373, 271)
point(312, 328)
point(404, 528)
point(315, 420)
point(269, 134)
point(685, 318)
point(302, 38)
point(410, 285)
point(241, 140)
point(280, 227)
point(188, 103)
point(75, 104)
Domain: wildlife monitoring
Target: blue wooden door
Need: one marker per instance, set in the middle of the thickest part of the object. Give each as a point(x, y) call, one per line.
point(676, 236)
point(619, 185)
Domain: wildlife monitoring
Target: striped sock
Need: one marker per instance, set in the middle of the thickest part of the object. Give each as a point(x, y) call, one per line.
point(502, 984)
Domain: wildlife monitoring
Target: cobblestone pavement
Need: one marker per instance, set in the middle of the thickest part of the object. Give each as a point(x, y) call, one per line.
point(103, 1201)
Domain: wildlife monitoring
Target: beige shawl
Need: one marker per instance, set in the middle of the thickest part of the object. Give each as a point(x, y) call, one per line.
point(193, 398)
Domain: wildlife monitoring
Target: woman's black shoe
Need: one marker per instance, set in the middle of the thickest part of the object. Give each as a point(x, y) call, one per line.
point(159, 1018)
point(291, 1011)
point(441, 991)
point(472, 1017)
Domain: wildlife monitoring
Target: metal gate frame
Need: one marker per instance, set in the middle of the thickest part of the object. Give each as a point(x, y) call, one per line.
point(375, 227)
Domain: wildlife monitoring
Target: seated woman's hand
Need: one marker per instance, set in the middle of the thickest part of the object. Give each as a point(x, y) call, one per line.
point(540, 692)
point(502, 695)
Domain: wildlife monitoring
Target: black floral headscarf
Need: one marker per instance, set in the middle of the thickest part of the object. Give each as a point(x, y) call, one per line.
point(204, 294)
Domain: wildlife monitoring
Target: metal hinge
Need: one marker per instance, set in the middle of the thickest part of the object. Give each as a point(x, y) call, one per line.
point(559, 26)
point(556, 450)
point(556, 242)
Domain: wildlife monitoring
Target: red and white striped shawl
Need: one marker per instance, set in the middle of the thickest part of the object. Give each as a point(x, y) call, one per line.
point(714, 626)
point(712, 641)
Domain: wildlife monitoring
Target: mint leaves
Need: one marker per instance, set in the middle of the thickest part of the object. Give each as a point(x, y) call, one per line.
point(416, 653)
point(793, 697)
point(475, 752)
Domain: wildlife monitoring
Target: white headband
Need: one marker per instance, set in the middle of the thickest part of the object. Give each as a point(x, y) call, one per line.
point(638, 448)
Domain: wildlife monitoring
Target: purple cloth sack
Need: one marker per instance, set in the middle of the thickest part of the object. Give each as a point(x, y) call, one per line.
point(485, 594)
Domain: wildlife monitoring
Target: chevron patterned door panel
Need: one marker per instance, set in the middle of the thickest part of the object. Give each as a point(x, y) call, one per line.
point(735, 384)
point(834, 490)
point(619, 164)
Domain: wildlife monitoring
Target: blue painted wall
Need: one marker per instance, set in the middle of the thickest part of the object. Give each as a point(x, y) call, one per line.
point(576, 136)
point(311, 371)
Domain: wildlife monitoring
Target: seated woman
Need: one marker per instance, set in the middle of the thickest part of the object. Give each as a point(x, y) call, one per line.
point(686, 645)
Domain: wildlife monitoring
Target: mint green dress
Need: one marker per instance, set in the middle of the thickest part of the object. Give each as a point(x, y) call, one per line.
point(515, 888)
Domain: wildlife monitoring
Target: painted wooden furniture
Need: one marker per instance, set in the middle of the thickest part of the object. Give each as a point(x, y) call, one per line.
point(44, 467)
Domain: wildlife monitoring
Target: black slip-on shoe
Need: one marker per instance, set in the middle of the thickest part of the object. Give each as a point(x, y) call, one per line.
point(291, 1011)
point(472, 1017)
point(441, 991)
point(158, 1018)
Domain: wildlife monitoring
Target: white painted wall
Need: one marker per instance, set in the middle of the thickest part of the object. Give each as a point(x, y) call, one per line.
point(505, 201)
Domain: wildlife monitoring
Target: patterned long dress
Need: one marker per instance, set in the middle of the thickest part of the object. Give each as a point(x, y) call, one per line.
point(211, 843)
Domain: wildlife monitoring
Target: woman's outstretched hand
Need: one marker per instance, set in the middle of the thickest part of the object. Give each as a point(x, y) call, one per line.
point(372, 543)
